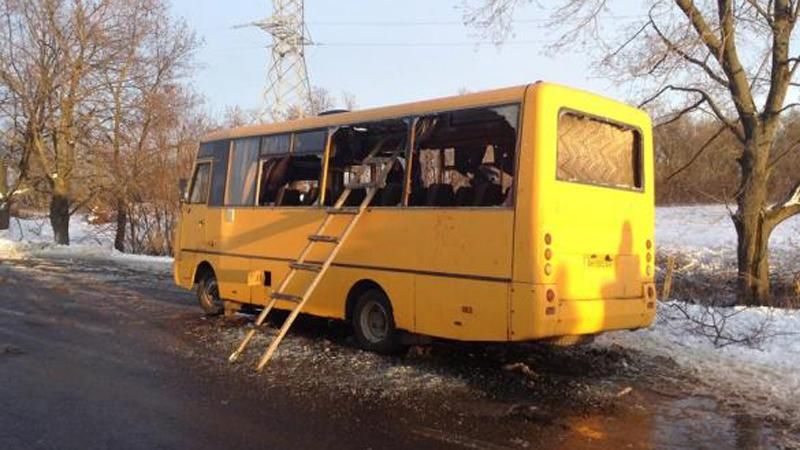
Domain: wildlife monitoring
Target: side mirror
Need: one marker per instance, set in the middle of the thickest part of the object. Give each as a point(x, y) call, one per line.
point(183, 184)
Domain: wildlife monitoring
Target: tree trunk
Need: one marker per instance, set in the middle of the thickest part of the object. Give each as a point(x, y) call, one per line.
point(59, 216)
point(752, 230)
point(122, 223)
point(753, 257)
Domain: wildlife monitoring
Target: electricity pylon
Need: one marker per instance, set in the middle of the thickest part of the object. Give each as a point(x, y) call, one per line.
point(288, 88)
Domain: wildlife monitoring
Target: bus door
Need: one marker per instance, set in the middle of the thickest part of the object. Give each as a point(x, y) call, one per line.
point(193, 218)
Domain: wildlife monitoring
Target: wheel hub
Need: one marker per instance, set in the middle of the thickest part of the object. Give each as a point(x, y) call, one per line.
point(375, 322)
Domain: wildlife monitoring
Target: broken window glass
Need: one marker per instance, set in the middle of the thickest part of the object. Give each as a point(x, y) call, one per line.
point(465, 158)
point(385, 140)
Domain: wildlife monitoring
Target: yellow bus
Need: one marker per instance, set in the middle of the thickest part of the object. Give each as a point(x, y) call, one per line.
point(517, 214)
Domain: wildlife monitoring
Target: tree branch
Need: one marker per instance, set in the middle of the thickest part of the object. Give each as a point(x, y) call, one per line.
point(697, 154)
point(762, 12)
point(781, 74)
point(724, 49)
point(706, 99)
point(681, 113)
point(673, 47)
point(785, 209)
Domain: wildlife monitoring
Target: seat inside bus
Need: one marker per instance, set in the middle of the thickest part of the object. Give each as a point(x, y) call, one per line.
point(463, 158)
point(352, 144)
point(290, 180)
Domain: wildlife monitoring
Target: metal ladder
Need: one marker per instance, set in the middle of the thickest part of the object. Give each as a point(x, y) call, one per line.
point(378, 181)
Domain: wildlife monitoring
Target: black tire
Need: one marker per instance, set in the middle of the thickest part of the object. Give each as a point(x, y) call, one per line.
point(208, 295)
point(373, 323)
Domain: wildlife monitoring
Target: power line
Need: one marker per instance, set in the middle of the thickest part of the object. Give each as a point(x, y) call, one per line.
point(439, 22)
point(428, 44)
point(399, 44)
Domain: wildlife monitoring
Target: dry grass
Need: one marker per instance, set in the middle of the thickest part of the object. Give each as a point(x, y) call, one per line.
point(713, 281)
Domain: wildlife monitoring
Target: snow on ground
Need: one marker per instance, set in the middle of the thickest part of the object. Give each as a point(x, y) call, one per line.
point(33, 237)
point(710, 227)
point(706, 235)
point(765, 377)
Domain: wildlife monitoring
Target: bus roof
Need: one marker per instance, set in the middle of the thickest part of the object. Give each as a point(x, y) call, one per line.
point(484, 98)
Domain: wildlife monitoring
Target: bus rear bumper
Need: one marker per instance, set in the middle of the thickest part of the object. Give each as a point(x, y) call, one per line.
point(533, 316)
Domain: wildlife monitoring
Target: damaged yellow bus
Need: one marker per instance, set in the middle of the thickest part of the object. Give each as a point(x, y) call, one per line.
point(516, 214)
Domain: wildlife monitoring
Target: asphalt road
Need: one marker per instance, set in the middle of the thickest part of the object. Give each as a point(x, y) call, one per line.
point(95, 355)
point(87, 361)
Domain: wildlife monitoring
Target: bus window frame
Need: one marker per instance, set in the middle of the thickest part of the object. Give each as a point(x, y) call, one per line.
point(409, 121)
point(517, 149)
point(292, 137)
point(322, 174)
point(262, 160)
point(197, 164)
point(231, 147)
point(264, 157)
point(638, 141)
point(411, 143)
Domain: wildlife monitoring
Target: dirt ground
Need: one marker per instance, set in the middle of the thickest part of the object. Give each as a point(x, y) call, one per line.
point(94, 355)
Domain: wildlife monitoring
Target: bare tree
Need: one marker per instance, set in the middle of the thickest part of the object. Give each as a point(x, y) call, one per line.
point(152, 52)
point(728, 59)
point(49, 50)
point(236, 116)
point(82, 85)
point(319, 101)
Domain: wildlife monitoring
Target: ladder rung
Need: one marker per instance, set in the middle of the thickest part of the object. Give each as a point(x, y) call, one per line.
point(310, 267)
point(349, 210)
point(321, 238)
point(289, 297)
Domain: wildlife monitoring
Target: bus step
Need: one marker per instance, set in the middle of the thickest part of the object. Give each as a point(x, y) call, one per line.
point(321, 238)
point(289, 297)
point(308, 267)
point(350, 210)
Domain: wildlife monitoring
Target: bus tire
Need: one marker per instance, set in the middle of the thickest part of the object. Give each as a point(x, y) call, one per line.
point(208, 295)
point(373, 323)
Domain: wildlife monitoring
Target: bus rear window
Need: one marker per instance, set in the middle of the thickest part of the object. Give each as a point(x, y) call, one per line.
point(593, 151)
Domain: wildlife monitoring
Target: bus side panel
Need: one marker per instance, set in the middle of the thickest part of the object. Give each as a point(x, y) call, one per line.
point(472, 242)
point(232, 276)
point(457, 308)
point(253, 241)
point(329, 300)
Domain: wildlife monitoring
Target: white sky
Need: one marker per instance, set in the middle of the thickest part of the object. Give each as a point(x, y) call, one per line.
point(392, 53)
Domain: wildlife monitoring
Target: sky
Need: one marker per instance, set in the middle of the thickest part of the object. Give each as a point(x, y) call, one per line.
point(382, 52)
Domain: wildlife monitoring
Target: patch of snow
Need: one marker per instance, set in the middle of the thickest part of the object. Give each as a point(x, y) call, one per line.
point(710, 227)
point(766, 377)
point(33, 237)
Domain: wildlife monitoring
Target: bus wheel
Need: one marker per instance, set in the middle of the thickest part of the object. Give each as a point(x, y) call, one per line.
point(373, 322)
point(208, 295)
